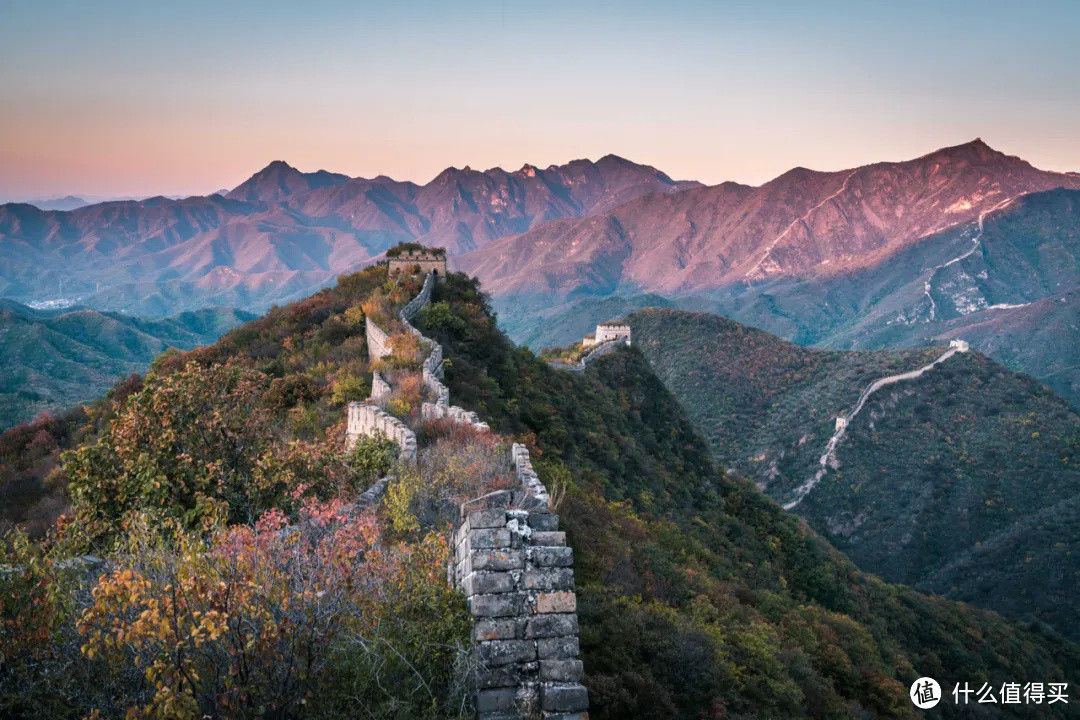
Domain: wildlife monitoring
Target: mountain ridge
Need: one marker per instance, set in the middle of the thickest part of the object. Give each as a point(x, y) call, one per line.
point(283, 233)
point(930, 476)
point(54, 359)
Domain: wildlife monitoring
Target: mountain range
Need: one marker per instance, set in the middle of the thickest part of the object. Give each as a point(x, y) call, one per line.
point(965, 242)
point(51, 360)
point(282, 233)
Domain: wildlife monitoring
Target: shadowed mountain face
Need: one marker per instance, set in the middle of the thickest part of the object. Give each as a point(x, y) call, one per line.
point(963, 481)
point(51, 360)
point(283, 233)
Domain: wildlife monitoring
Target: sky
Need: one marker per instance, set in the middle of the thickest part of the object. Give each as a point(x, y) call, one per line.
point(113, 98)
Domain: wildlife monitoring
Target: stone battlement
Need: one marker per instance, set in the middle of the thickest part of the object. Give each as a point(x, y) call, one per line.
point(426, 261)
point(371, 420)
point(608, 332)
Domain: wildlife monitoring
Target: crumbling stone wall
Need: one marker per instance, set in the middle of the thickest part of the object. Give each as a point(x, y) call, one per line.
point(378, 342)
point(517, 574)
point(511, 561)
point(413, 307)
point(598, 351)
point(380, 389)
point(371, 420)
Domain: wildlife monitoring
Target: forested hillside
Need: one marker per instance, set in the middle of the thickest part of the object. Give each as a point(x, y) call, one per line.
point(52, 360)
point(697, 595)
point(963, 482)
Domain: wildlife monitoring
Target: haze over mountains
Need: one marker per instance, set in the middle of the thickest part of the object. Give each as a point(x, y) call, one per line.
point(52, 360)
point(962, 241)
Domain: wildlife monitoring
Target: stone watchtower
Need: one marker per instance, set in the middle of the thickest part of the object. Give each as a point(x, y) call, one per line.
point(412, 258)
point(606, 332)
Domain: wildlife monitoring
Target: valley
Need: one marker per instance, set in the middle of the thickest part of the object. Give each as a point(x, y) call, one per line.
point(52, 360)
point(951, 473)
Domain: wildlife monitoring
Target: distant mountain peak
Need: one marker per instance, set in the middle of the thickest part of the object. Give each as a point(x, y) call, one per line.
point(279, 180)
point(975, 150)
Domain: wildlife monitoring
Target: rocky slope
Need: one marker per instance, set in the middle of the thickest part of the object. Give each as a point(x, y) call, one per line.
point(53, 360)
point(802, 223)
point(283, 234)
point(963, 481)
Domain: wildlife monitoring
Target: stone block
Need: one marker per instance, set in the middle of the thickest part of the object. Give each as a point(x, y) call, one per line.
point(506, 676)
point(558, 648)
point(503, 628)
point(548, 538)
point(568, 671)
point(549, 626)
point(548, 579)
point(485, 583)
point(490, 538)
point(505, 652)
point(562, 557)
point(487, 519)
point(562, 601)
point(570, 697)
point(498, 700)
point(504, 605)
point(543, 521)
point(491, 559)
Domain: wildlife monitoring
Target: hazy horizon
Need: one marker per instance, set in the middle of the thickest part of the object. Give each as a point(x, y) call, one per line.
point(124, 100)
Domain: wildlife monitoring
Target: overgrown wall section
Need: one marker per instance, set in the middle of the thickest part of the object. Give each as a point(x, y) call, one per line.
point(371, 420)
point(517, 574)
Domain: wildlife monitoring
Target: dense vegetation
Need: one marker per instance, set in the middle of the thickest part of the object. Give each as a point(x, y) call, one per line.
point(241, 580)
point(698, 596)
point(965, 482)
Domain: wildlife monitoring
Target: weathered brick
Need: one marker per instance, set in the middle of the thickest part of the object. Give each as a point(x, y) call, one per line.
point(548, 579)
point(500, 628)
point(563, 698)
point(484, 583)
point(500, 700)
point(495, 560)
point(549, 538)
point(501, 605)
point(546, 626)
point(543, 521)
point(561, 670)
point(504, 652)
point(487, 519)
point(556, 602)
point(551, 556)
point(490, 538)
point(506, 676)
point(558, 648)
point(533, 503)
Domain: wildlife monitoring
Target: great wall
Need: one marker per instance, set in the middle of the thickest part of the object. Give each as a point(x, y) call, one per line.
point(828, 458)
point(510, 559)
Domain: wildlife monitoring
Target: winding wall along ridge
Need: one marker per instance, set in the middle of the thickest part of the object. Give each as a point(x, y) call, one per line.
point(829, 456)
point(512, 563)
